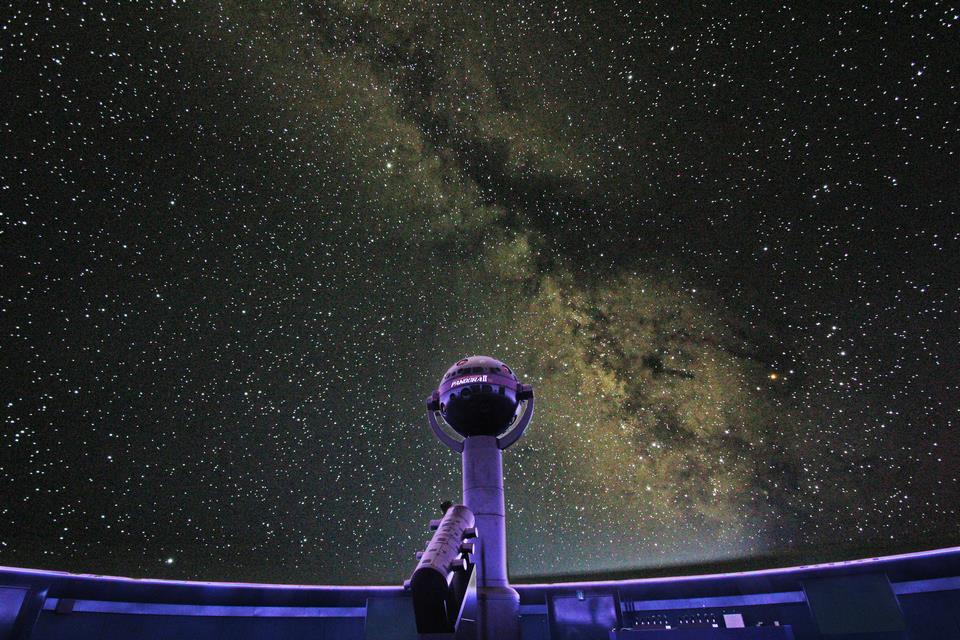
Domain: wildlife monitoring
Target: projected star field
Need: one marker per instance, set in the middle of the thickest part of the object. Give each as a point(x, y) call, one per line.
point(241, 242)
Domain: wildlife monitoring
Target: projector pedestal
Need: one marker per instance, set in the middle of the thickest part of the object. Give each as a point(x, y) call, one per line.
point(497, 603)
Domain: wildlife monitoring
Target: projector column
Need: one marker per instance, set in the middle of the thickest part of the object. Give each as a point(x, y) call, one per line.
point(482, 400)
point(498, 603)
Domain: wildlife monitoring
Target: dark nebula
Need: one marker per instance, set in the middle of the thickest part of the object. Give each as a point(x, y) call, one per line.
point(242, 241)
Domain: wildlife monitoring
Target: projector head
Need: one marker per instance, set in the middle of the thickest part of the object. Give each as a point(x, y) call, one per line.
point(479, 396)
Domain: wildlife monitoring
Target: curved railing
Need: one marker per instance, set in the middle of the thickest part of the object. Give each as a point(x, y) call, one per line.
point(52, 604)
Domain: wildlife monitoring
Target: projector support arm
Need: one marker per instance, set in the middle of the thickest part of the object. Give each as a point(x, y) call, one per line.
point(525, 393)
point(433, 408)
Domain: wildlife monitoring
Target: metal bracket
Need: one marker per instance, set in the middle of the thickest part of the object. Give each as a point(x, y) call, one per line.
point(524, 393)
point(433, 410)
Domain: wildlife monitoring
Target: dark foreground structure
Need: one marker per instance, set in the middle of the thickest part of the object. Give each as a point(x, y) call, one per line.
point(460, 588)
point(908, 597)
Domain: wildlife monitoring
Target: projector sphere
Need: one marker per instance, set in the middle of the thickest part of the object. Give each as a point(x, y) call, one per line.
point(478, 396)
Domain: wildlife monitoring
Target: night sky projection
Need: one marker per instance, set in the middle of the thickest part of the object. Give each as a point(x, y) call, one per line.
point(241, 242)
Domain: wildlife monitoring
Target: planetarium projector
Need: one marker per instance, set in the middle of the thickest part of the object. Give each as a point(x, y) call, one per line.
point(479, 396)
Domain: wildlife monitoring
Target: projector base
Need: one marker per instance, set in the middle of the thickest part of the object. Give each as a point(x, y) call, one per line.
point(498, 610)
